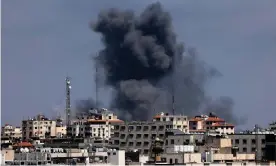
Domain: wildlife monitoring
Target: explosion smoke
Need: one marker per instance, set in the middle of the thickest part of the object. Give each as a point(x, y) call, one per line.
point(143, 60)
point(84, 106)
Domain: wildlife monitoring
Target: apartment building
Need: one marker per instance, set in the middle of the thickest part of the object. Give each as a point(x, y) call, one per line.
point(210, 122)
point(139, 135)
point(98, 124)
point(251, 142)
point(12, 132)
point(38, 127)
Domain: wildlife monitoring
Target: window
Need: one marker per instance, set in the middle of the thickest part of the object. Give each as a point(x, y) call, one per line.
point(263, 141)
point(237, 141)
point(172, 141)
point(253, 149)
point(244, 149)
point(244, 141)
point(253, 141)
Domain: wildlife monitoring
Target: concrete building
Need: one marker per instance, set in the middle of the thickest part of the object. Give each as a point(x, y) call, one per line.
point(99, 123)
point(9, 131)
point(139, 135)
point(211, 122)
point(250, 142)
point(38, 127)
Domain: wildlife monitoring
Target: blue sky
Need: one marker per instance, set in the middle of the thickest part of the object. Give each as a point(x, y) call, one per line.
point(43, 41)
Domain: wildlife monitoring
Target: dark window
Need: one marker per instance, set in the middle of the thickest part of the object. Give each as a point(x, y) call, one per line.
point(172, 141)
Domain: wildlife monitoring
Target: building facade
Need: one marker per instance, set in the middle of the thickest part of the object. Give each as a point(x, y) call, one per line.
point(38, 127)
point(10, 131)
point(139, 135)
point(211, 122)
point(98, 124)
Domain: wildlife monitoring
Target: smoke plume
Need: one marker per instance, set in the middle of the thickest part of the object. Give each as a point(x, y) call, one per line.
point(84, 106)
point(143, 61)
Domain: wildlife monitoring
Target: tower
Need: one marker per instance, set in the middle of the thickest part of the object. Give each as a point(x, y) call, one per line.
point(68, 101)
point(96, 84)
point(173, 84)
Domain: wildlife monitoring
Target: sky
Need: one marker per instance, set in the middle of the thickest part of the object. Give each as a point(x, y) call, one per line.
point(44, 41)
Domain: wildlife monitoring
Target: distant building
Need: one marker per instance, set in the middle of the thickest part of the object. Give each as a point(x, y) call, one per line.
point(98, 124)
point(38, 127)
point(272, 126)
point(203, 123)
point(139, 135)
point(9, 131)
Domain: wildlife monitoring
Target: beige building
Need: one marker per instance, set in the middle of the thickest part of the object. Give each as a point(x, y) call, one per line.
point(38, 127)
point(98, 124)
point(139, 135)
point(60, 131)
point(10, 131)
point(203, 123)
point(7, 155)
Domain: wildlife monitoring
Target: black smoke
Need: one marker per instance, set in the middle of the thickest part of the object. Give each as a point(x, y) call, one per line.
point(143, 61)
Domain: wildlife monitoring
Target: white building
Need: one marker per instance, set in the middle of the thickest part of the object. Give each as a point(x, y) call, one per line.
point(139, 135)
point(98, 124)
point(39, 127)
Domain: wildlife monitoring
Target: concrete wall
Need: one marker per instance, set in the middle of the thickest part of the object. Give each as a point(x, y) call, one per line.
point(181, 157)
point(8, 154)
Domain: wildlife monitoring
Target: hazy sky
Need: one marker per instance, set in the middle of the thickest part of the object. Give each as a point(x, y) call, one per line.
point(43, 41)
